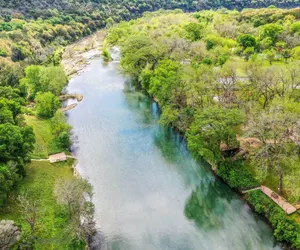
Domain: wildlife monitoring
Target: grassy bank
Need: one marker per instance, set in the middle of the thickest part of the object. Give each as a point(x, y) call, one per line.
point(45, 140)
point(52, 219)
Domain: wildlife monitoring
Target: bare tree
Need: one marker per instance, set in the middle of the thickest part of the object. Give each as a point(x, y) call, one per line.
point(9, 234)
point(76, 195)
point(29, 209)
point(274, 129)
point(265, 83)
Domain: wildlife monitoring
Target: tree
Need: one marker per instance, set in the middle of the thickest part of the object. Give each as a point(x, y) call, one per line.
point(9, 234)
point(246, 40)
point(272, 31)
point(290, 79)
point(9, 110)
point(274, 129)
point(64, 140)
point(46, 104)
point(32, 79)
point(211, 128)
point(295, 27)
point(137, 52)
point(61, 129)
point(227, 84)
point(200, 86)
point(29, 209)
point(8, 177)
point(270, 54)
point(106, 55)
point(53, 79)
point(76, 195)
point(165, 79)
point(265, 83)
point(15, 142)
point(194, 31)
point(248, 52)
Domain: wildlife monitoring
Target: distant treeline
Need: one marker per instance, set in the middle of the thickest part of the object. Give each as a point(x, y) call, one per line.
point(125, 9)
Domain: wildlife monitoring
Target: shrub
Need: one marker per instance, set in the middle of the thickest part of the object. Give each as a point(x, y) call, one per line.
point(237, 175)
point(285, 229)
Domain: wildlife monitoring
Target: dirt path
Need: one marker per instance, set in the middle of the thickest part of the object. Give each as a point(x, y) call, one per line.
point(39, 159)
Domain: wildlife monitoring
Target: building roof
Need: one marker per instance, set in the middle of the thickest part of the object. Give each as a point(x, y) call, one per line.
point(58, 157)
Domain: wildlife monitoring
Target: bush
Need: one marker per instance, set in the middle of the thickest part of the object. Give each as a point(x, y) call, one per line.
point(237, 175)
point(285, 229)
point(46, 104)
point(106, 56)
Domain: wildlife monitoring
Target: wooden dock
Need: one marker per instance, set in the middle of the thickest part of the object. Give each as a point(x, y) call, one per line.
point(280, 201)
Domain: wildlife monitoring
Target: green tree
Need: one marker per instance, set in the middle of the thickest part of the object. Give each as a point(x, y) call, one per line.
point(194, 31)
point(15, 142)
point(211, 128)
point(46, 104)
point(295, 27)
point(271, 31)
point(137, 52)
point(165, 79)
point(52, 79)
point(8, 177)
point(32, 79)
point(246, 40)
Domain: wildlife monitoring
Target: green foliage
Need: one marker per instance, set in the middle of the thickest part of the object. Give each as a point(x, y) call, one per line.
point(106, 55)
point(237, 175)
point(20, 52)
point(52, 219)
point(285, 229)
point(271, 31)
point(212, 127)
point(46, 104)
point(295, 27)
point(15, 142)
point(8, 177)
point(137, 52)
point(52, 79)
point(164, 80)
point(44, 79)
point(61, 129)
point(246, 40)
point(194, 31)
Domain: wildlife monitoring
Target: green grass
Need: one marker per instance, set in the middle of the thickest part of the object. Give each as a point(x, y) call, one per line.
point(39, 184)
point(45, 141)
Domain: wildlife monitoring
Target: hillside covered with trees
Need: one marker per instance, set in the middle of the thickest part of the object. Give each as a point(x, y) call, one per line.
point(122, 9)
point(237, 72)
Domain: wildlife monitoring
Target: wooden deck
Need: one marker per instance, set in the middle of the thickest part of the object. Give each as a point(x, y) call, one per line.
point(280, 201)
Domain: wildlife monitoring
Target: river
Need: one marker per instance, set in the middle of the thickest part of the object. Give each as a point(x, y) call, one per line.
point(150, 194)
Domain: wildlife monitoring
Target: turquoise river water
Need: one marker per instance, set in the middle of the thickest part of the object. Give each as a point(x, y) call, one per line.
point(150, 194)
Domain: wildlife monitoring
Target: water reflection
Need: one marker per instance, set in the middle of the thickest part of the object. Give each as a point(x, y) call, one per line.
point(150, 194)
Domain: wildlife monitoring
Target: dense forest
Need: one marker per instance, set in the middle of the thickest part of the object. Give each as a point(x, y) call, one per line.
point(230, 82)
point(226, 69)
point(123, 9)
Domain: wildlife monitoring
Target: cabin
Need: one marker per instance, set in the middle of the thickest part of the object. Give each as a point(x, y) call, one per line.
point(58, 157)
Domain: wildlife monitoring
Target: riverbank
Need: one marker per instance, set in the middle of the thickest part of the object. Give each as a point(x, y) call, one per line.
point(39, 184)
point(76, 56)
point(208, 101)
point(257, 201)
